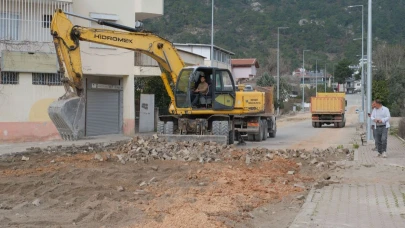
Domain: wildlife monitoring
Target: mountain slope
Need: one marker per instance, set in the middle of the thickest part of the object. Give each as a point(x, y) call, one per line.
point(249, 27)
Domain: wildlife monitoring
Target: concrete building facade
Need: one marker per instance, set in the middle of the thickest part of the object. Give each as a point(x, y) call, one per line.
point(29, 80)
point(221, 58)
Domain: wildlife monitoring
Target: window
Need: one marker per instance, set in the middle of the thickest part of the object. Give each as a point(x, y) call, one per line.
point(223, 81)
point(46, 79)
point(46, 22)
point(9, 78)
point(9, 26)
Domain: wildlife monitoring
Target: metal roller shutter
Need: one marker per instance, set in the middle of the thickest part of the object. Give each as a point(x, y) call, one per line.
point(103, 113)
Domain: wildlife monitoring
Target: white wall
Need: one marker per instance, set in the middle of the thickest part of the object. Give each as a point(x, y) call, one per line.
point(253, 70)
point(26, 102)
point(241, 72)
point(199, 50)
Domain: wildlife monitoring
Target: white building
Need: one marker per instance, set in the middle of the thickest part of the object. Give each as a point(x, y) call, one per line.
point(221, 57)
point(29, 81)
point(243, 69)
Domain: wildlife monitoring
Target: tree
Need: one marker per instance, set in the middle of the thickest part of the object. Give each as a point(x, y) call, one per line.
point(389, 78)
point(285, 88)
point(342, 71)
point(153, 85)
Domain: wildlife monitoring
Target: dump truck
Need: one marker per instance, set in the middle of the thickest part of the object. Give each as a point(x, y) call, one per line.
point(328, 108)
point(224, 113)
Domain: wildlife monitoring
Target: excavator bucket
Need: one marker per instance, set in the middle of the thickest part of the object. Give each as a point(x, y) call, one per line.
point(68, 117)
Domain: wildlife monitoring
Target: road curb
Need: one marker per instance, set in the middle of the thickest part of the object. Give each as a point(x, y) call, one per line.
point(306, 209)
point(356, 155)
point(403, 140)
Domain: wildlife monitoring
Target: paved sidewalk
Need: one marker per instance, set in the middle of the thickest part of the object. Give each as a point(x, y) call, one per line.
point(371, 193)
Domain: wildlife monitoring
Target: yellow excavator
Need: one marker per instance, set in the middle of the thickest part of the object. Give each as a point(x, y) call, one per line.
point(226, 111)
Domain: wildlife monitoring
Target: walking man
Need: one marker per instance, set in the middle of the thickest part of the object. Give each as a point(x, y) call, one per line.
point(381, 116)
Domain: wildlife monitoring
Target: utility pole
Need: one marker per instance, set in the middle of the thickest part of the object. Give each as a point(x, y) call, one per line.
point(303, 75)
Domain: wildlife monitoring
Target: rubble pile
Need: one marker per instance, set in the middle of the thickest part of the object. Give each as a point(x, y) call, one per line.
point(144, 149)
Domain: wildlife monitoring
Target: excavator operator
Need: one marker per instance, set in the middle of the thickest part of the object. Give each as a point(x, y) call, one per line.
point(202, 89)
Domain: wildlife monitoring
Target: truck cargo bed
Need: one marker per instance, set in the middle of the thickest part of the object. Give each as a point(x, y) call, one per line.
point(327, 105)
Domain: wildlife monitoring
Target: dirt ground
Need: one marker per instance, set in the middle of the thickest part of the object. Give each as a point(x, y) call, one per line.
point(76, 190)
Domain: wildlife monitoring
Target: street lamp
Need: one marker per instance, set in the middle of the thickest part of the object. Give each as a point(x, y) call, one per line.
point(278, 68)
point(369, 77)
point(303, 74)
point(362, 54)
point(316, 78)
point(325, 77)
point(212, 34)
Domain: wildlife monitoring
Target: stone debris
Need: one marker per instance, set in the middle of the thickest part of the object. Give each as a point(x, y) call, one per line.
point(142, 184)
point(153, 179)
point(36, 202)
point(120, 189)
point(25, 158)
point(145, 149)
point(98, 157)
point(300, 197)
point(291, 172)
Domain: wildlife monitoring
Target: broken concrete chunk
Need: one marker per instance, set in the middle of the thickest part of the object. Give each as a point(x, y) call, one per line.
point(300, 197)
point(98, 157)
point(36, 202)
point(314, 161)
point(142, 184)
point(25, 158)
point(291, 172)
point(120, 188)
point(153, 179)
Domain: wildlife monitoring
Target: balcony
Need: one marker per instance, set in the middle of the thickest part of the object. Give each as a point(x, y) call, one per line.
point(145, 9)
point(27, 20)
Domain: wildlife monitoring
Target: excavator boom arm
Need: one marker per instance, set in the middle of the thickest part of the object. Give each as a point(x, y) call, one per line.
point(67, 113)
point(67, 38)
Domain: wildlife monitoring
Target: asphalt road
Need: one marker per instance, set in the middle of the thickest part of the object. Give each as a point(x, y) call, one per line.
point(297, 132)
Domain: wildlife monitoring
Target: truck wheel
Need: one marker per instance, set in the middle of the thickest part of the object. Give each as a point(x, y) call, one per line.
point(265, 130)
point(231, 137)
point(259, 136)
point(251, 137)
point(314, 124)
point(336, 125)
point(160, 127)
point(169, 128)
point(272, 133)
point(319, 125)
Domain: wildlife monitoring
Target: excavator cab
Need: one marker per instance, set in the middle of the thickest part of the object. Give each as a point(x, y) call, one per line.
point(221, 88)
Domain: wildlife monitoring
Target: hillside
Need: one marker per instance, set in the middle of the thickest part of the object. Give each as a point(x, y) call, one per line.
point(249, 27)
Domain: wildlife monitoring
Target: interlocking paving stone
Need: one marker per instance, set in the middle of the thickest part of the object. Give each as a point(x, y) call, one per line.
point(354, 205)
point(360, 203)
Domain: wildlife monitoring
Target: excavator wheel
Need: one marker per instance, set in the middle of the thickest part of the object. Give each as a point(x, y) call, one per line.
point(68, 117)
point(169, 128)
point(160, 127)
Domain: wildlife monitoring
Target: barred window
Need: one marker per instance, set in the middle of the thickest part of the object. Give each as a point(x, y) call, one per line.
point(10, 78)
point(46, 79)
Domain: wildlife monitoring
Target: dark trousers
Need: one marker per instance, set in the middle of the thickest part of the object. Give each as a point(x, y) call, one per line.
point(196, 98)
point(381, 134)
